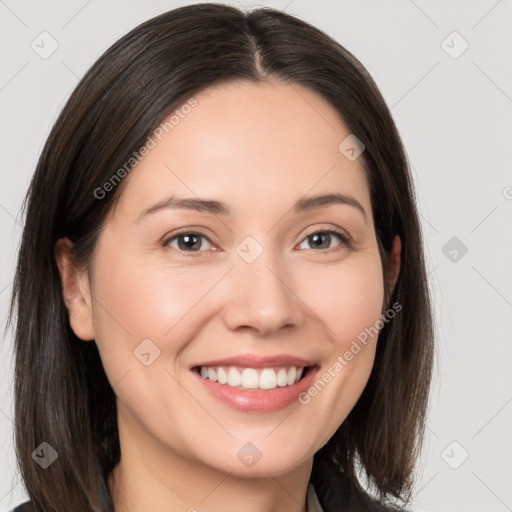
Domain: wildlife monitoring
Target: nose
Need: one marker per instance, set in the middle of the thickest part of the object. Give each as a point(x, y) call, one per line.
point(261, 297)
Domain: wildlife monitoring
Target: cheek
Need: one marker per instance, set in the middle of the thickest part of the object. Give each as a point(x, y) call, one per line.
point(147, 301)
point(349, 302)
point(348, 298)
point(135, 303)
point(356, 322)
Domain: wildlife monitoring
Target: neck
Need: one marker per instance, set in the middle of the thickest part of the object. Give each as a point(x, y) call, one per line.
point(151, 478)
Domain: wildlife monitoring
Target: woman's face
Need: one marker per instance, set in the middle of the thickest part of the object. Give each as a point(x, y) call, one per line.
point(264, 280)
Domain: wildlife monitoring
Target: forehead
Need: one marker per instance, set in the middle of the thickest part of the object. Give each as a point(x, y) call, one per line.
point(251, 145)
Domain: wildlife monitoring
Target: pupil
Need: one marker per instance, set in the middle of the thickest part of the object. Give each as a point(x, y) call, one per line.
point(316, 237)
point(189, 241)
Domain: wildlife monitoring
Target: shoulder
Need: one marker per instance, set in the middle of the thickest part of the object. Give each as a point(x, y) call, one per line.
point(362, 502)
point(341, 495)
point(24, 507)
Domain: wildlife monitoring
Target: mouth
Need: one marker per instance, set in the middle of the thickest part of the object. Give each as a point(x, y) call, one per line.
point(254, 379)
point(258, 389)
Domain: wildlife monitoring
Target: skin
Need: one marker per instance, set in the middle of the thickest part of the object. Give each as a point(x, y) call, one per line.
point(259, 148)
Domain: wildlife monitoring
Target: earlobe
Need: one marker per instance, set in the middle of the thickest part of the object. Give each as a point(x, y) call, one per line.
point(75, 288)
point(395, 261)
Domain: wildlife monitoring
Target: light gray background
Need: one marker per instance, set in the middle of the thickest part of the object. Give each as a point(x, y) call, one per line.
point(454, 115)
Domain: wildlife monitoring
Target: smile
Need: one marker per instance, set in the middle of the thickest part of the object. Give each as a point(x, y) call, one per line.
point(252, 378)
point(257, 390)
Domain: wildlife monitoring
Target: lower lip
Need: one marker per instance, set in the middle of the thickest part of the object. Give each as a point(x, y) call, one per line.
point(259, 400)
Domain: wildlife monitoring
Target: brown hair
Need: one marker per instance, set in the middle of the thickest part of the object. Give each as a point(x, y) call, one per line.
point(62, 395)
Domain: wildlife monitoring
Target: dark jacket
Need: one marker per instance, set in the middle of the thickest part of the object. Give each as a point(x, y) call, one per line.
point(24, 507)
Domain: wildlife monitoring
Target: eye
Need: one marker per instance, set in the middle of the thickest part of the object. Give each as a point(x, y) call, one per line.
point(187, 241)
point(322, 239)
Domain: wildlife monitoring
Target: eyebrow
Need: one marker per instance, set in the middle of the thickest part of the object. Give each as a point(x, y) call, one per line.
point(219, 208)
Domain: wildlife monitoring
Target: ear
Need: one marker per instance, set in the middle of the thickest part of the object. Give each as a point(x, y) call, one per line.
point(76, 288)
point(394, 261)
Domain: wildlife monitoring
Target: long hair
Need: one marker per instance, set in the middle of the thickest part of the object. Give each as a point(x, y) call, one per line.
point(62, 395)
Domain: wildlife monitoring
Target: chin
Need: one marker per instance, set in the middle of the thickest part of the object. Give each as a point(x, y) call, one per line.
point(253, 460)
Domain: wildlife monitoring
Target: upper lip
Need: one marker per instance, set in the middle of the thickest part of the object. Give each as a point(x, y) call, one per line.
point(255, 361)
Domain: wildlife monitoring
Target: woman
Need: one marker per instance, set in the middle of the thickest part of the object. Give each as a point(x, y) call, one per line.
point(221, 293)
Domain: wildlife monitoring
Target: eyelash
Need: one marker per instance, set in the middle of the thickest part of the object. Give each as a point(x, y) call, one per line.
point(344, 239)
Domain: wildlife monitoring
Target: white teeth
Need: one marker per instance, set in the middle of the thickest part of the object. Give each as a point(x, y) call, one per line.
point(251, 378)
point(282, 377)
point(222, 376)
point(235, 379)
point(268, 379)
point(291, 376)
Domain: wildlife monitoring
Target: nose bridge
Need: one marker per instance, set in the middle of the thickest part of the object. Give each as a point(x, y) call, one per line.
point(261, 293)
